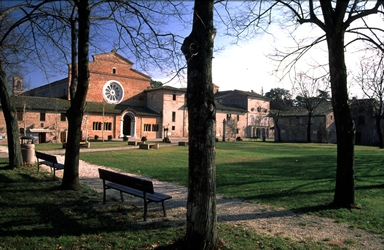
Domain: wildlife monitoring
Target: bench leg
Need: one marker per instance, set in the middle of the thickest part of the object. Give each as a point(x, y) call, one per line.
point(104, 192)
point(121, 195)
point(54, 173)
point(145, 210)
point(165, 213)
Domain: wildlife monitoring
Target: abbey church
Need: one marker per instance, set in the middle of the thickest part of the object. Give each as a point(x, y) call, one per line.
point(122, 104)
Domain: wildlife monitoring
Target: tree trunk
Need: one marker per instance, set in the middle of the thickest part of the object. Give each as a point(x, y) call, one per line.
point(276, 125)
point(309, 125)
point(201, 205)
point(10, 115)
point(76, 111)
point(345, 127)
point(379, 132)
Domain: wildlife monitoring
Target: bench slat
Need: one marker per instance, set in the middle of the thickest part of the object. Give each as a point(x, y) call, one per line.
point(155, 197)
point(126, 180)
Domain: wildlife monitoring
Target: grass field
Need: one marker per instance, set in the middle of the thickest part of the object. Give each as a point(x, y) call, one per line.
point(94, 144)
point(35, 214)
point(296, 176)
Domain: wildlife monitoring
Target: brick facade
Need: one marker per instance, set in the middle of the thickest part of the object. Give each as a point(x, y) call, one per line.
point(141, 111)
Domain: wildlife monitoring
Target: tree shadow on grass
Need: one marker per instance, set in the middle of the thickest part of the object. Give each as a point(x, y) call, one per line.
point(34, 206)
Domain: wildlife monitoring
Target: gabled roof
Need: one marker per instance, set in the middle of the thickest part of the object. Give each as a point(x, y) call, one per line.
point(113, 52)
point(229, 108)
point(104, 56)
point(222, 94)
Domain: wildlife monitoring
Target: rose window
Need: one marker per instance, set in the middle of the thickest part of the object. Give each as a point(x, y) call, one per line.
point(113, 92)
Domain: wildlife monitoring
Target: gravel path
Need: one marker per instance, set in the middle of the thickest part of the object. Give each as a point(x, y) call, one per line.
point(253, 216)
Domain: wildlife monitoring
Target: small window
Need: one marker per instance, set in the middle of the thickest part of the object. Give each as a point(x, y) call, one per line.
point(108, 126)
point(173, 116)
point(265, 121)
point(114, 71)
point(20, 116)
point(147, 127)
point(155, 127)
point(42, 116)
point(238, 118)
point(63, 117)
point(96, 126)
point(173, 127)
point(174, 97)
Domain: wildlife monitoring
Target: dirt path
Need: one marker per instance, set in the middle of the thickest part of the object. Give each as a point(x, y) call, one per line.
point(257, 217)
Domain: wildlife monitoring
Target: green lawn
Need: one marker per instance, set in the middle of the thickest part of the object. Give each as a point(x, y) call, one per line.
point(35, 214)
point(94, 144)
point(296, 176)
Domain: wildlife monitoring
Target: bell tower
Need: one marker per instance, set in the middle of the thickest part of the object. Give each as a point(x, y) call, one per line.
point(17, 85)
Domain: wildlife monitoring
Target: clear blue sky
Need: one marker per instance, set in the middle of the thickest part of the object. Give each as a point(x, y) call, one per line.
point(243, 66)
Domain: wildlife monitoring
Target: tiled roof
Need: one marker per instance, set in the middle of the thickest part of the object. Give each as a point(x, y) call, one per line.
point(227, 107)
point(221, 94)
point(61, 105)
point(323, 109)
point(40, 103)
point(94, 107)
point(165, 87)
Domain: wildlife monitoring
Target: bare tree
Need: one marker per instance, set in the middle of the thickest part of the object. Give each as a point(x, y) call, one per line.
point(201, 204)
point(311, 92)
point(10, 115)
point(79, 89)
point(281, 100)
point(371, 81)
point(11, 41)
point(54, 31)
point(335, 19)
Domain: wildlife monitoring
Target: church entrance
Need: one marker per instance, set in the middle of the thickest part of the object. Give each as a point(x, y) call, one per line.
point(129, 124)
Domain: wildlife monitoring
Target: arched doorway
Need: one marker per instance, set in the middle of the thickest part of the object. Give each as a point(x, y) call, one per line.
point(128, 126)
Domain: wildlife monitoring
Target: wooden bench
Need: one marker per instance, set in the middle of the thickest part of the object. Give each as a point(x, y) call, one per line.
point(50, 161)
point(134, 186)
point(134, 143)
point(149, 145)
